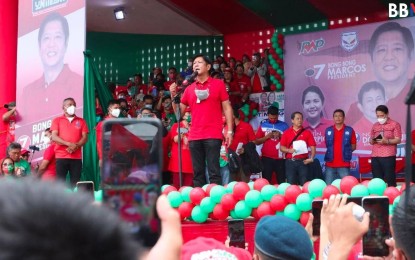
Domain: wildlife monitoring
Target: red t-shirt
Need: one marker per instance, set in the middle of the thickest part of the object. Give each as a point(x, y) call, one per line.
point(70, 132)
point(256, 84)
point(289, 135)
point(233, 87)
point(49, 155)
point(243, 134)
point(338, 151)
point(6, 132)
point(244, 82)
point(269, 147)
point(41, 100)
point(187, 166)
point(168, 83)
point(319, 131)
point(207, 114)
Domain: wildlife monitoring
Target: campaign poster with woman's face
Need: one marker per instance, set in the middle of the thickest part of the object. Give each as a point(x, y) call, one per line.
point(50, 65)
point(354, 69)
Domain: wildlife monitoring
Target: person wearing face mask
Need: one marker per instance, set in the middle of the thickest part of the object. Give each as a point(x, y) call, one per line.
point(188, 70)
point(384, 136)
point(70, 133)
point(207, 99)
point(114, 111)
point(47, 168)
point(7, 167)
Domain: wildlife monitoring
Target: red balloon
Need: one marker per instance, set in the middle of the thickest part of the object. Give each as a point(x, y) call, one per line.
point(278, 77)
point(219, 212)
point(196, 195)
point(304, 218)
point(273, 87)
point(254, 214)
point(392, 193)
point(260, 183)
point(168, 189)
point(330, 190)
point(240, 189)
point(228, 202)
point(185, 209)
point(264, 209)
point(280, 36)
point(209, 187)
point(292, 192)
point(278, 203)
point(305, 187)
point(347, 184)
point(365, 182)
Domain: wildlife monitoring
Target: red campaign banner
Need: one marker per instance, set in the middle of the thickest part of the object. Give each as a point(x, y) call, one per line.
point(354, 69)
point(50, 65)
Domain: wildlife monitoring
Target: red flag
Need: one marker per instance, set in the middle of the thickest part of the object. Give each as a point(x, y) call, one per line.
point(123, 141)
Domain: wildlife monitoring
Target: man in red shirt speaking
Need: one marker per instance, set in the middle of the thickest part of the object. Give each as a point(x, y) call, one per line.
point(207, 99)
point(70, 133)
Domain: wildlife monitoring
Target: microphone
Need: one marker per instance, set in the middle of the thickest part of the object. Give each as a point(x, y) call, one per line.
point(191, 78)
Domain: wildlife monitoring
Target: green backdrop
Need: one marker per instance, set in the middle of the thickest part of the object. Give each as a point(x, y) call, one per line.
point(120, 56)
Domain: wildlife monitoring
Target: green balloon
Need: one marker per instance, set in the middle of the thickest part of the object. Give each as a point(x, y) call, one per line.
point(291, 211)
point(164, 187)
point(278, 50)
point(253, 198)
point(175, 199)
point(279, 71)
point(391, 209)
point(268, 191)
point(198, 215)
point(279, 213)
point(275, 45)
point(279, 86)
point(316, 187)
point(336, 183)
point(303, 202)
point(229, 187)
point(396, 201)
point(233, 214)
point(282, 187)
point(376, 186)
point(254, 113)
point(207, 205)
point(186, 193)
point(217, 192)
point(242, 210)
point(359, 190)
point(98, 195)
point(276, 65)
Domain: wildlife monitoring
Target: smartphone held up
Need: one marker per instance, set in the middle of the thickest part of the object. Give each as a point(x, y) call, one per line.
point(130, 174)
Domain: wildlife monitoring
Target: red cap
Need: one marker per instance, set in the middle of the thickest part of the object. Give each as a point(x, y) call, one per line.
point(24, 151)
point(209, 248)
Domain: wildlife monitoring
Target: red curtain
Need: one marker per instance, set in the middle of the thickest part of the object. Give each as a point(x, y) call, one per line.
point(8, 50)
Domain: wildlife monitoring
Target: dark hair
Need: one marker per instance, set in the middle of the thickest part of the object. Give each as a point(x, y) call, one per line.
point(205, 58)
point(339, 111)
point(239, 65)
point(214, 73)
point(54, 17)
point(148, 97)
point(172, 68)
point(296, 113)
point(48, 130)
point(145, 108)
point(165, 98)
point(391, 26)
point(122, 100)
point(69, 99)
point(12, 146)
point(113, 102)
point(403, 221)
point(273, 110)
point(47, 222)
point(236, 113)
point(138, 75)
point(382, 108)
point(369, 86)
point(314, 89)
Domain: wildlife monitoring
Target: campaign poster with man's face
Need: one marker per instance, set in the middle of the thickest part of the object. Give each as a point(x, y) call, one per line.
point(50, 65)
point(354, 69)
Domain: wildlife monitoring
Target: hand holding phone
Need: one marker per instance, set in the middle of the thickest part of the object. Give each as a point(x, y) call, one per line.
point(87, 187)
point(236, 231)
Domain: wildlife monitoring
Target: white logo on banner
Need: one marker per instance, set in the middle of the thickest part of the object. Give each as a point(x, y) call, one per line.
point(349, 41)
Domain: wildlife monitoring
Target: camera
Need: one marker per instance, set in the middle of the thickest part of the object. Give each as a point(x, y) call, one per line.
point(34, 148)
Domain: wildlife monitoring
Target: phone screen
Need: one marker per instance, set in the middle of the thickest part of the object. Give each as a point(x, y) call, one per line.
point(86, 186)
point(236, 232)
point(131, 174)
point(317, 205)
point(374, 240)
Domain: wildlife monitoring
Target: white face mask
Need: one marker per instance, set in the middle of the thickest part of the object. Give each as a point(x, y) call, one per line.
point(70, 110)
point(116, 112)
point(190, 64)
point(382, 120)
point(46, 139)
point(215, 66)
point(202, 94)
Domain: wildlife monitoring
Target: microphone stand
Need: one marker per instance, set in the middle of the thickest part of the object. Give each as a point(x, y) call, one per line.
point(176, 100)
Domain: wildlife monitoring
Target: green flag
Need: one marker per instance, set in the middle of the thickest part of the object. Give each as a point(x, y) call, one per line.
point(93, 86)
